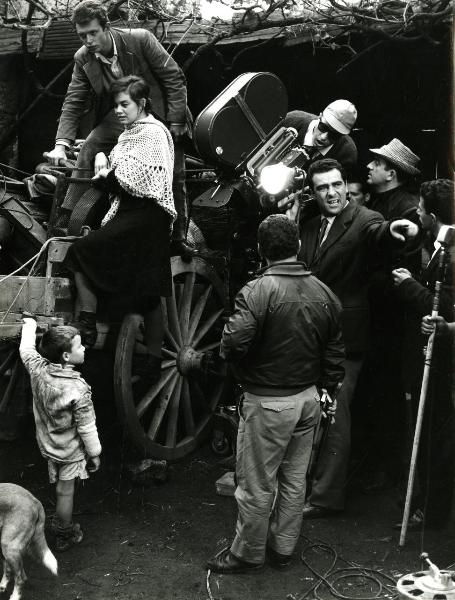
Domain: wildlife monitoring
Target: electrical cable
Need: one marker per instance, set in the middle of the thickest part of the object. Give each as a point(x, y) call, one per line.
point(332, 578)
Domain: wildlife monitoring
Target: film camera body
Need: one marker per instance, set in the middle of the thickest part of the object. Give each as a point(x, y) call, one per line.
point(239, 134)
point(257, 162)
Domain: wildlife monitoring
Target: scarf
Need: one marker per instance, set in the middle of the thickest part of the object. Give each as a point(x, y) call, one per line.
point(143, 159)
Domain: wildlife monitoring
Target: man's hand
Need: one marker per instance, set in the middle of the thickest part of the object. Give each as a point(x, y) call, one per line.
point(291, 203)
point(178, 130)
point(402, 229)
point(399, 275)
point(93, 464)
point(101, 162)
point(56, 155)
point(437, 324)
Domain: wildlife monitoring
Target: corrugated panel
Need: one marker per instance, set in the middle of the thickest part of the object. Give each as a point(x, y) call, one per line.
point(59, 41)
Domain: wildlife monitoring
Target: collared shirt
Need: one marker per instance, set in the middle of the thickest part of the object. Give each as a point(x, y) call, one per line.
point(436, 245)
point(330, 221)
point(64, 415)
point(112, 62)
point(308, 140)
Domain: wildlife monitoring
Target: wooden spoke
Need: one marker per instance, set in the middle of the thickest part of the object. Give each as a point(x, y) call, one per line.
point(171, 433)
point(187, 409)
point(197, 311)
point(185, 304)
point(173, 319)
point(217, 395)
point(167, 334)
point(168, 352)
point(153, 392)
point(205, 328)
point(208, 347)
point(162, 406)
point(199, 395)
point(168, 363)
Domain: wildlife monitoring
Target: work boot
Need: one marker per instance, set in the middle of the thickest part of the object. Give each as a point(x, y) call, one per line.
point(86, 324)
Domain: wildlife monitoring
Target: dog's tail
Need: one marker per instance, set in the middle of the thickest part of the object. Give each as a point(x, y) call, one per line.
point(39, 548)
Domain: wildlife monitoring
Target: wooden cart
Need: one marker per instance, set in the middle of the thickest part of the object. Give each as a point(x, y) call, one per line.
point(169, 419)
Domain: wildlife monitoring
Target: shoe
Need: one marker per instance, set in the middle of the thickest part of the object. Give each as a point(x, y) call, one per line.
point(277, 560)
point(68, 536)
point(225, 562)
point(310, 511)
point(415, 523)
point(182, 248)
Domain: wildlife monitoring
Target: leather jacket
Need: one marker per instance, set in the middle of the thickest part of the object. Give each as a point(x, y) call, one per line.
point(284, 334)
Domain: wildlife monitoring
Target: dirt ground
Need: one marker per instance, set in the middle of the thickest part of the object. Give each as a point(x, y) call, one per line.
point(152, 541)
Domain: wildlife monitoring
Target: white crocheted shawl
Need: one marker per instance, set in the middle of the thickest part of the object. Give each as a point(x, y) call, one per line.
point(143, 159)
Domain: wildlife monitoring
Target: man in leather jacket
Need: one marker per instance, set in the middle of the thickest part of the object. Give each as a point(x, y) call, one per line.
point(284, 342)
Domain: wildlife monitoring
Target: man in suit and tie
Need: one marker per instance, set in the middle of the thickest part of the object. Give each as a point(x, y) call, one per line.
point(416, 294)
point(327, 135)
point(335, 246)
point(109, 53)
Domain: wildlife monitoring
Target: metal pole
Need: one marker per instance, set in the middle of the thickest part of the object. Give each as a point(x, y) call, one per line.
point(422, 399)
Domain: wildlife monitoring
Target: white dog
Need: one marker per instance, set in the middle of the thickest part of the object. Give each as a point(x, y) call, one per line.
point(21, 530)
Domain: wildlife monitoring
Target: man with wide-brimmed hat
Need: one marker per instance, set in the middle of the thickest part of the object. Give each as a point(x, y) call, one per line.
point(390, 173)
point(327, 135)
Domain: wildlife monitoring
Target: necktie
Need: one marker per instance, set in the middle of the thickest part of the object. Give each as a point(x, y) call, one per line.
point(322, 230)
point(321, 234)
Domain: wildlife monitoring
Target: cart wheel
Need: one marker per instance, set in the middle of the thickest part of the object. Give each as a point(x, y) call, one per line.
point(169, 419)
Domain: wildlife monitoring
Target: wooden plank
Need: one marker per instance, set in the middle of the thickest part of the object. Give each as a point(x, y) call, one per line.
point(32, 292)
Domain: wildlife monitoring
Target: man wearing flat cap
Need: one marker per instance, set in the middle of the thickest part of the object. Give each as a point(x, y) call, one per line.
point(327, 135)
point(389, 172)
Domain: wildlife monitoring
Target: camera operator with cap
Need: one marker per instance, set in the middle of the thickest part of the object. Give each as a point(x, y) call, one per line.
point(390, 174)
point(327, 136)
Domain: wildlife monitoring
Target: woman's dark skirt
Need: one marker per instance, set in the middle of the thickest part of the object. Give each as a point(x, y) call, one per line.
point(128, 260)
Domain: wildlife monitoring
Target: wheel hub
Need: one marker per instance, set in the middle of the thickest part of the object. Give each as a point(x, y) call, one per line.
point(189, 360)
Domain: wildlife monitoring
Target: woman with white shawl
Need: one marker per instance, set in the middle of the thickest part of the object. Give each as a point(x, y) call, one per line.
point(128, 258)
